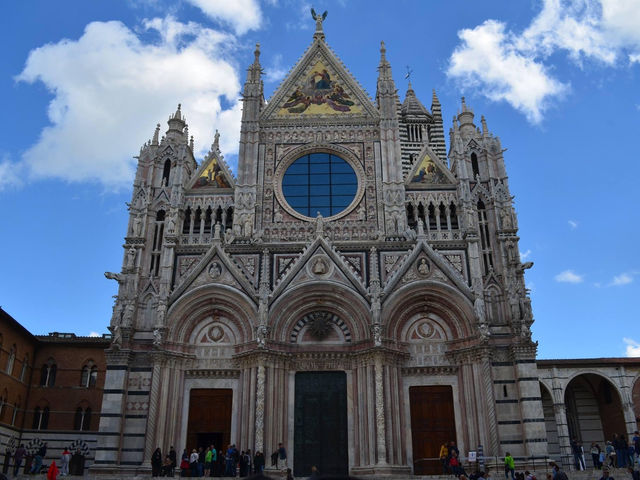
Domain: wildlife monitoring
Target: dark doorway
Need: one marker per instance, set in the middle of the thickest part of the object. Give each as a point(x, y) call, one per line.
point(320, 431)
point(209, 418)
point(432, 424)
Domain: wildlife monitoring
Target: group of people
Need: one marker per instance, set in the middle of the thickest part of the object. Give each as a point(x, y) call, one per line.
point(34, 461)
point(450, 459)
point(617, 453)
point(211, 462)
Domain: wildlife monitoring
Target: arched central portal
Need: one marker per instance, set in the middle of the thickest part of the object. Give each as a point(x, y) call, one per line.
point(320, 423)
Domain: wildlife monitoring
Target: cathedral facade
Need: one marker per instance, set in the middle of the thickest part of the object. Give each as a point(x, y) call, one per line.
point(355, 291)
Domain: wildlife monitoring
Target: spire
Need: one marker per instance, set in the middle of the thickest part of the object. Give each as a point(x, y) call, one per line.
point(465, 117)
point(177, 124)
point(485, 130)
point(156, 135)
point(436, 137)
point(411, 104)
point(215, 147)
point(255, 70)
point(191, 144)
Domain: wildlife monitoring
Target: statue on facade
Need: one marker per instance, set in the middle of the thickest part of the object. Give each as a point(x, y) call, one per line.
point(116, 336)
point(261, 335)
point(131, 257)
point(136, 228)
point(376, 330)
point(157, 337)
point(319, 225)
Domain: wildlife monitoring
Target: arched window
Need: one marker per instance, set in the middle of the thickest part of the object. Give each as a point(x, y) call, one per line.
point(229, 223)
point(3, 403)
point(443, 217)
point(23, 370)
point(485, 239)
point(433, 225)
point(89, 375)
point(197, 220)
point(454, 216)
point(474, 165)
point(82, 419)
point(166, 172)
point(157, 243)
point(207, 220)
point(48, 374)
point(16, 409)
point(40, 418)
point(186, 226)
point(11, 360)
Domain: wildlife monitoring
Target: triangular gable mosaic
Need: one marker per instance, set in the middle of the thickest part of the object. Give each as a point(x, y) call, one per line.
point(318, 86)
point(212, 174)
point(429, 170)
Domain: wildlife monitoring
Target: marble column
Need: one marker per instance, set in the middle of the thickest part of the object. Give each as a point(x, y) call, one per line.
point(381, 443)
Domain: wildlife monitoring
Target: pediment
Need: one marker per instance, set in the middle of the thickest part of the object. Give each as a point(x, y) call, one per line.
point(215, 267)
point(318, 262)
point(213, 174)
point(429, 170)
point(319, 86)
point(424, 263)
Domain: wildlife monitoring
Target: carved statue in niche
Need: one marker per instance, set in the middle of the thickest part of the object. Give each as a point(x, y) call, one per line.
point(136, 228)
point(215, 270)
point(157, 337)
point(423, 267)
point(277, 214)
point(127, 318)
point(320, 266)
point(116, 336)
point(505, 217)
point(171, 225)
point(131, 257)
point(376, 330)
point(261, 335)
point(362, 213)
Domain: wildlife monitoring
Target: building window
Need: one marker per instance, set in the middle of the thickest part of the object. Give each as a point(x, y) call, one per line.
point(11, 360)
point(16, 408)
point(48, 374)
point(166, 172)
point(319, 183)
point(3, 403)
point(157, 243)
point(23, 371)
point(485, 239)
point(89, 375)
point(474, 165)
point(82, 420)
point(40, 418)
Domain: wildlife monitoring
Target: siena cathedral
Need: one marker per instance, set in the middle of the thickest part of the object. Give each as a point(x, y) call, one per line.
point(354, 292)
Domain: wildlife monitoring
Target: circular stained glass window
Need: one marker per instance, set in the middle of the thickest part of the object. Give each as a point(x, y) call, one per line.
point(319, 183)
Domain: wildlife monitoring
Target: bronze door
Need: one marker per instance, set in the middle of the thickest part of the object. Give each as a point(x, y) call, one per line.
point(320, 430)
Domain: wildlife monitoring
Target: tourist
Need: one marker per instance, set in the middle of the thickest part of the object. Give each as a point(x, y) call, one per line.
point(289, 474)
point(18, 456)
point(40, 454)
point(258, 463)
point(454, 465)
point(282, 457)
point(605, 474)
point(156, 463)
point(556, 473)
point(314, 473)
point(201, 455)
point(444, 458)
point(576, 449)
point(193, 462)
point(64, 462)
point(208, 458)
point(509, 466)
point(636, 444)
point(611, 454)
point(174, 460)
point(635, 474)
point(595, 455)
point(167, 467)
point(184, 464)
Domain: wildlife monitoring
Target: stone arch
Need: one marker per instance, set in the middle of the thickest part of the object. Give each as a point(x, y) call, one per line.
point(594, 408)
point(635, 399)
point(187, 316)
point(553, 444)
point(348, 306)
point(444, 305)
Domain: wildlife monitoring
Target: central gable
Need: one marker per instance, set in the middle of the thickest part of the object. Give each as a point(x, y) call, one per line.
point(319, 86)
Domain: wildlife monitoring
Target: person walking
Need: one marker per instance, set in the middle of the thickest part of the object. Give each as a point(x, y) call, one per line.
point(509, 466)
point(282, 457)
point(64, 462)
point(18, 456)
point(156, 463)
point(174, 459)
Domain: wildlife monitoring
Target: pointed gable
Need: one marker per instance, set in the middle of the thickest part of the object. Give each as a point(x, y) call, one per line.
point(214, 172)
point(319, 85)
point(429, 170)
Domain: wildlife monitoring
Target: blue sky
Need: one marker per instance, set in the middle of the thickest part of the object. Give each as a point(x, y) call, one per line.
point(83, 85)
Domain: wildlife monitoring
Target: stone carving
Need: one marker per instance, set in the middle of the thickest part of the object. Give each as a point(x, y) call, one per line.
point(127, 318)
point(376, 331)
point(426, 330)
point(136, 228)
point(215, 270)
point(116, 336)
point(161, 312)
point(361, 213)
point(157, 337)
point(319, 225)
point(171, 225)
point(423, 267)
point(277, 214)
point(131, 257)
point(506, 219)
point(320, 266)
point(261, 335)
point(319, 325)
point(216, 333)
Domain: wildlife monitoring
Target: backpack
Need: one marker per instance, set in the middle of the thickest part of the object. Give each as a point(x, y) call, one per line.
point(561, 475)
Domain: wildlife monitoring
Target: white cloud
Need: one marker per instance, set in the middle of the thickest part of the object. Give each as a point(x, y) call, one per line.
point(303, 21)
point(276, 71)
point(573, 224)
point(94, 334)
point(10, 173)
point(525, 255)
point(514, 67)
point(241, 15)
point(569, 276)
point(622, 279)
point(489, 61)
point(110, 89)
point(633, 347)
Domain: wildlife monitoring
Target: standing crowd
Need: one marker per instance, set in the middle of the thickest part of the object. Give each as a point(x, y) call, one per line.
point(617, 453)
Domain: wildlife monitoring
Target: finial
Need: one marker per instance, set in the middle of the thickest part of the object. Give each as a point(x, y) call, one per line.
point(156, 135)
point(383, 51)
point(464, 105)
point(191, 143)
point(256, 54)
point(485, 130)
point(177, 115)
point(408, 75)
point(434, 98)
point(186, 133)
point(319, 33)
